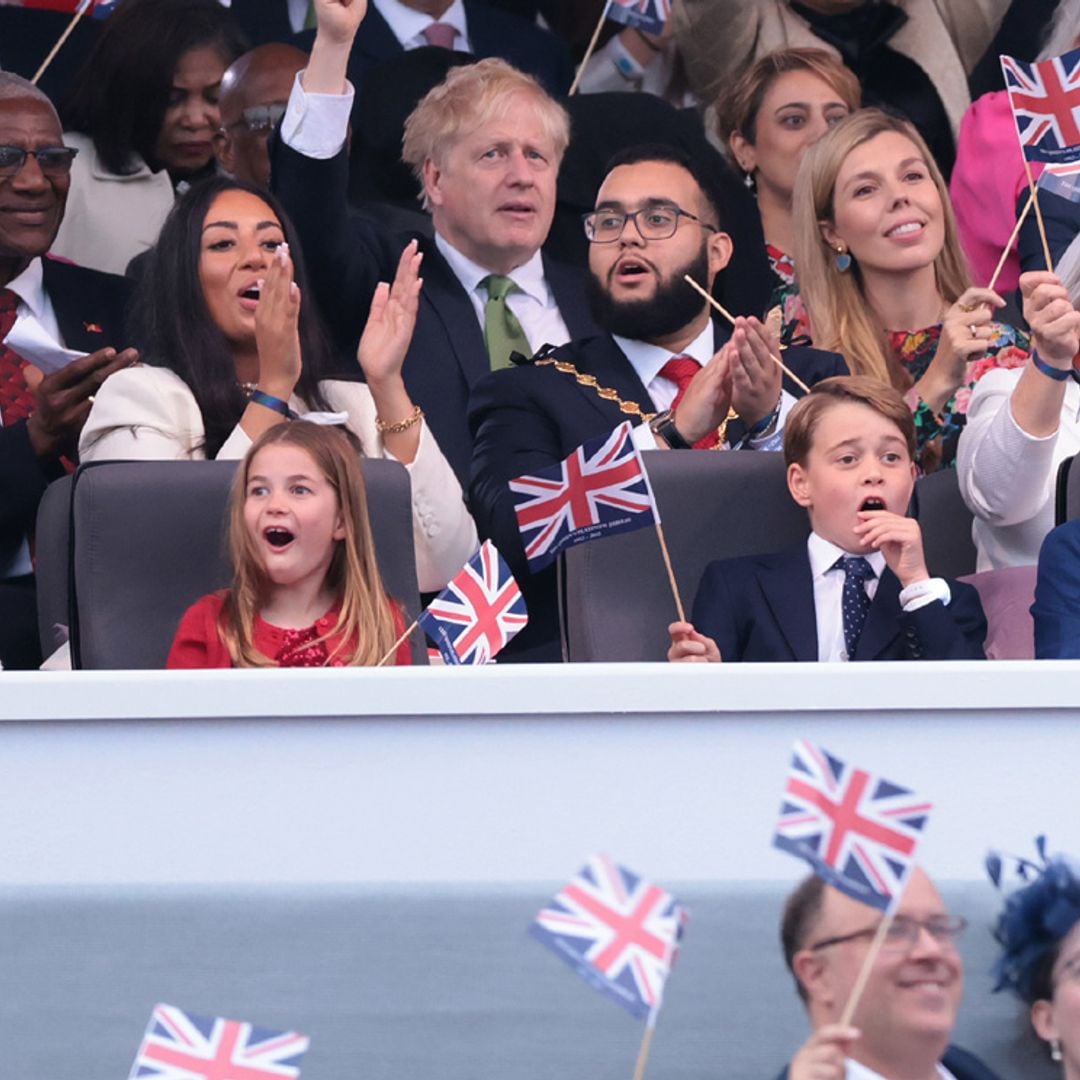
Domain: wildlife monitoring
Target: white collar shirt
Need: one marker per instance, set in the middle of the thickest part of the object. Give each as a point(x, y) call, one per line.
point(853, 1070)
point(829, 594)
point(408, 25)
point(647, 361)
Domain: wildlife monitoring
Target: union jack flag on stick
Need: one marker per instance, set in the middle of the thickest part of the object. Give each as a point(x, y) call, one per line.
point(478, 612)
point(600, 489)
point(647, 15)
point(179, 1046)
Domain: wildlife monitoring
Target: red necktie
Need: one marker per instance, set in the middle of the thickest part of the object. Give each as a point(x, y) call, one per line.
point(441, 34)
point(16, 401)
point(680, 370)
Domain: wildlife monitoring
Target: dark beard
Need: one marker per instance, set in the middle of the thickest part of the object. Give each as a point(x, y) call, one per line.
point(673, 305)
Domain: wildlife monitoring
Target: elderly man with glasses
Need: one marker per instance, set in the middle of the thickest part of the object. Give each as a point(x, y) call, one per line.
point(905, 1016)
point(685, 379)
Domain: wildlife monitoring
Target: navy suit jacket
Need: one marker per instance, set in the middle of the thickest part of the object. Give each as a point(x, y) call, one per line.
point(530, 417)
point(761, 607)
point(1057, 595)
point(963, 1065)
point(349, 253)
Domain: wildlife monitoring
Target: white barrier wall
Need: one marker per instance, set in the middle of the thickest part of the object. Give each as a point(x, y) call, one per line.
point(509, 774)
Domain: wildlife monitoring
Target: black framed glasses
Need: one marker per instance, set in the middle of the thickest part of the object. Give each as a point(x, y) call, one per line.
point(52, 160)
point(260, 119)
point(657, 222)
point(904, 932)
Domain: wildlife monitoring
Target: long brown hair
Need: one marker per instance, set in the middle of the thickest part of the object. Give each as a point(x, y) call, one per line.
point(366, 623)
point(840, 315)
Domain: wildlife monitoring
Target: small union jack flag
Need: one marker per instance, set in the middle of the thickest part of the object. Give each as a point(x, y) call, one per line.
point(96, 9)
point(601, 488)
point(617, 931)
point(179, 1046)
point(647, 15)
point(856, 830)
point(1045, 100)
point(478, 612)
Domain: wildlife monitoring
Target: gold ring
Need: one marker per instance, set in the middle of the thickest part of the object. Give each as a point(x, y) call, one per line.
point(968, 308)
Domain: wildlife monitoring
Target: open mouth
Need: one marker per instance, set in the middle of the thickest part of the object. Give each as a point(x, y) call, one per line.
point(629, 269)
point(277, 537)
point(872, 502)
point(907, 228)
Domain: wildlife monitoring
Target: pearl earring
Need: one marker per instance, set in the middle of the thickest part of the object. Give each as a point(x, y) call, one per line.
point(748, 180)
point(843, 259)
point(1055, 1049)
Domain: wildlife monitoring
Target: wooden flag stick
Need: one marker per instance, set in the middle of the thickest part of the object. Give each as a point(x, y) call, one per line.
point(397, 644)
point(1012, 240)
point(1038, 214)
point(646, 1045)
point(868, 963)
point(79, 11)
point(670, 572)
point(590, 50)
point(731, 319)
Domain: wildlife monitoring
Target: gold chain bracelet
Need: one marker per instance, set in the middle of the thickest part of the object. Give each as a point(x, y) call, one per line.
point(399, 426)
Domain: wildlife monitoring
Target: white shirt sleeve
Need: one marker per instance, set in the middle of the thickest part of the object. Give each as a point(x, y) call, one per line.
point(317, 125)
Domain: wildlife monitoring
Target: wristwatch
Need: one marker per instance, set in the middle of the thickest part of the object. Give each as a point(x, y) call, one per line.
point(663, 424)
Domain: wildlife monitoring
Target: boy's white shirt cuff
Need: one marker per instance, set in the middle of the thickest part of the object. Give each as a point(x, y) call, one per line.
point(920, 593)
point(317, 125)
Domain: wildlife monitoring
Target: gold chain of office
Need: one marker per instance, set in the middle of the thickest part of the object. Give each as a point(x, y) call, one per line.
point(631, 408)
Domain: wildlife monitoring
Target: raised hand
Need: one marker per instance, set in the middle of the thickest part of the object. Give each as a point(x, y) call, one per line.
point(899, 539)
point(965, 330)
point(63, 400)
point(277, 328)
point(391, 321)
point(755, 376)
point(1054, 321)
point(690, 647)
point(823, 1056)
point(338, 20)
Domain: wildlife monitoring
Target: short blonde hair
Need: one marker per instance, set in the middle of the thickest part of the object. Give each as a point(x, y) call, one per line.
point(840, 317)
point(468, 98)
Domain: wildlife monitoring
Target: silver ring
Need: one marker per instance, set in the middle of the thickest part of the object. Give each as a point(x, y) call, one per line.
point(973, 328)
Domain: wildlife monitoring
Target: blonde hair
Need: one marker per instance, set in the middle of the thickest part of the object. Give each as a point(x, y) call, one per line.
point(366, 622)
point(737, 110)
point(840, 316)
point(468, 98)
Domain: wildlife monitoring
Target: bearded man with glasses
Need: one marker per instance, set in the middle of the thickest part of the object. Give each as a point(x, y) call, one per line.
point(906, 1014)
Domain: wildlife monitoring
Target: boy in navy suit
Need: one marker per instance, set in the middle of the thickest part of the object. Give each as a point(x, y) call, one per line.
point(858, 589)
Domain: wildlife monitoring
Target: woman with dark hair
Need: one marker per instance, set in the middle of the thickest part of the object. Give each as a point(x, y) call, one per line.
point(1039, 934)
point(142, 115)
point(233, 348)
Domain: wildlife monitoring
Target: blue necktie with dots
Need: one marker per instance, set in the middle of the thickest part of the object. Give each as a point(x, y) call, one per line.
point(855, 603)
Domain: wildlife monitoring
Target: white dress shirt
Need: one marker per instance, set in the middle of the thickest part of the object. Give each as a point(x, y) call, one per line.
point(29, 286)
point(316, 124)
point(853, 1070)
point(828, 579)
point(648, 360)
point(408, 25)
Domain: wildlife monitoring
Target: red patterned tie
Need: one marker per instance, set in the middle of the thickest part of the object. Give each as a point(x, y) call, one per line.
point(680, 370)
point(440, 34)
point(16, 401)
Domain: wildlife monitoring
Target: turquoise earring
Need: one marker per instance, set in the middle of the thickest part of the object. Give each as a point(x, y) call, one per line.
point(843, 259)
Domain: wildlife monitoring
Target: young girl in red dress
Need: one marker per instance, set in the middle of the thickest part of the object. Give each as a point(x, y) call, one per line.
point(307, 590)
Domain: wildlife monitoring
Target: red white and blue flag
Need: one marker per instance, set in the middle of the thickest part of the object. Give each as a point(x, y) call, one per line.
point(647, 15)
point(179, 1046)
point(478, 612)
point(600, 489)
point(617, 931)
point(858, 831)
point(1045, 100)
point(94, 9)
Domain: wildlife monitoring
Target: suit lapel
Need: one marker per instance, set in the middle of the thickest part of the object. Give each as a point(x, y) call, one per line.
point(455, 311)
point(606, 362)
point(375, 40)
point(881, 627)
point(568, 288)
point(80, 319)
point(789, 591)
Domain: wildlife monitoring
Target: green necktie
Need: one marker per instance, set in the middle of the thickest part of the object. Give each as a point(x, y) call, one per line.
point(311, 21)
point(502, 331)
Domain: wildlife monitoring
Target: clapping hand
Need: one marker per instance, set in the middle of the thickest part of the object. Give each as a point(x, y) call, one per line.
point(755, 376)
point(391, 321)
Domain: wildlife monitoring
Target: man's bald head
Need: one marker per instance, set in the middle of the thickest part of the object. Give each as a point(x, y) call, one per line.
point(14, 86)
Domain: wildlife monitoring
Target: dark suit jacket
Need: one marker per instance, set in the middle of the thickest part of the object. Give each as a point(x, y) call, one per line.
point(960, 1063)
point(531, 417)
point(762, 608)
point(350, 253)
point(1057, 595)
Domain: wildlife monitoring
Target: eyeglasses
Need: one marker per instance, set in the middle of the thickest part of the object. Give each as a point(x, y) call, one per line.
point(651, 222)
point(904, 932)
point(52, 160)
point(259, 118)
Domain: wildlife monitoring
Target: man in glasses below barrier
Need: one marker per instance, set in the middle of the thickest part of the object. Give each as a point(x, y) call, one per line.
point(907, 1010)
point(664, 362)
point(41, 416)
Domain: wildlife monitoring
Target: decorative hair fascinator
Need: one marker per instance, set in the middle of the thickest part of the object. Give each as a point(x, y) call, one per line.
point(1038, 914)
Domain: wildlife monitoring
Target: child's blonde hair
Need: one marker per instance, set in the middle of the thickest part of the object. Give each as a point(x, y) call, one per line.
point(840, 317)
point(366, 625)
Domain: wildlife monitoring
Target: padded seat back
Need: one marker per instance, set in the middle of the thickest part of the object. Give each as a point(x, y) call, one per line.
point(150, 539)
point(52, 567)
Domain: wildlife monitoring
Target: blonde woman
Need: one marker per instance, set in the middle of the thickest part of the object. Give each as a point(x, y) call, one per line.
point(884, 280)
